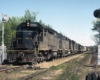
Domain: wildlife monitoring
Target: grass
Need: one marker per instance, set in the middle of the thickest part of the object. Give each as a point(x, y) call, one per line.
point(58, 67)
point(68, 71)
point(68, 76)
point(71, 70)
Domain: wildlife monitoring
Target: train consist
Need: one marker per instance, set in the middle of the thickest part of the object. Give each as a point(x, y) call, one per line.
point(35, 42)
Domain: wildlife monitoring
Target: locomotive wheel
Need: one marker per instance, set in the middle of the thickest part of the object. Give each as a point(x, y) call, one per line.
point(49, 57)
point(59, 55)
point(41, 59)
point(44, 58)
point(54, 55)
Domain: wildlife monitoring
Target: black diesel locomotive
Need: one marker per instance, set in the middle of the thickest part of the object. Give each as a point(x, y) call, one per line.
point(36, 42)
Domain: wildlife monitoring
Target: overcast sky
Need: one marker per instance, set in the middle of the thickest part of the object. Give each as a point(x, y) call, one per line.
point(71, 17)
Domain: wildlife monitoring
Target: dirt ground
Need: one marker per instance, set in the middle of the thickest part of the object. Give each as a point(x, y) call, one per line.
point(75, 67)
point(57, 61)
point(18, 74)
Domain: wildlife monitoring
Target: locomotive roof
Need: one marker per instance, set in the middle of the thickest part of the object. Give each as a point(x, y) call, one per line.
point(38, 25)
point(53, 31)
point(41, 26)
point(24, 25)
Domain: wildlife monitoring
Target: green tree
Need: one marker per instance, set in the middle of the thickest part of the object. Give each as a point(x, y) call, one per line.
point(10, 26)
point(29, 16)
point(60, 32)
point(96, 28)
point(41, 22)
point(49, 26)
point(95, 38)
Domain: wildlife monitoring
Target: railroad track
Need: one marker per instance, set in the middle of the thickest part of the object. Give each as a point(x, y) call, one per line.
point(39, 71)
point(8, 69)
point(3, 67)
point(11, 69)
point(93, 75)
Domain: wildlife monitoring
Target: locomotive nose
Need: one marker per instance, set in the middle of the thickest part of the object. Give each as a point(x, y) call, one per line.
point(24, 40)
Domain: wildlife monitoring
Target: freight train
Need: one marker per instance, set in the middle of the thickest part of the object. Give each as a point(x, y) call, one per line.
point(35, 43)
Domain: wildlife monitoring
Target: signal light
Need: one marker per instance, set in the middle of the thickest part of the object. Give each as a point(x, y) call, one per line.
point(97, 13)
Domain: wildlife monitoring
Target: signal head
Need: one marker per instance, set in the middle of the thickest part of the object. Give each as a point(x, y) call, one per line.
point(97, 13)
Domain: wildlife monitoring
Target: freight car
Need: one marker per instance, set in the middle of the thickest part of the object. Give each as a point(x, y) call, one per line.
point(35, 42)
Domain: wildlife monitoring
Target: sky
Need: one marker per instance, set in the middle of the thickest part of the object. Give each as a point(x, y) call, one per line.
point(71, 17)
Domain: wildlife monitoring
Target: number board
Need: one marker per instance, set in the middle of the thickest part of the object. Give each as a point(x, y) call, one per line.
point(33, 25)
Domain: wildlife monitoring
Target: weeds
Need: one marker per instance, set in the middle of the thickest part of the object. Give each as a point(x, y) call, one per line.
point(73, 69)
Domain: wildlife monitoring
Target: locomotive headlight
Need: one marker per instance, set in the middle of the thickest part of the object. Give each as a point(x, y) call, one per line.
point(28, 24)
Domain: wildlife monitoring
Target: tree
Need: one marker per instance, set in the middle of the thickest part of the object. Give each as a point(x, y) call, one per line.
point(95, 38)
point(29, 16)
point(96, 28)
point(49, 26)
point(60, 32)
point(10, 26)
point(41, 22)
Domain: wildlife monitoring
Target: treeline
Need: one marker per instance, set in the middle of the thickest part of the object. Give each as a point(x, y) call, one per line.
point(10, 26)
